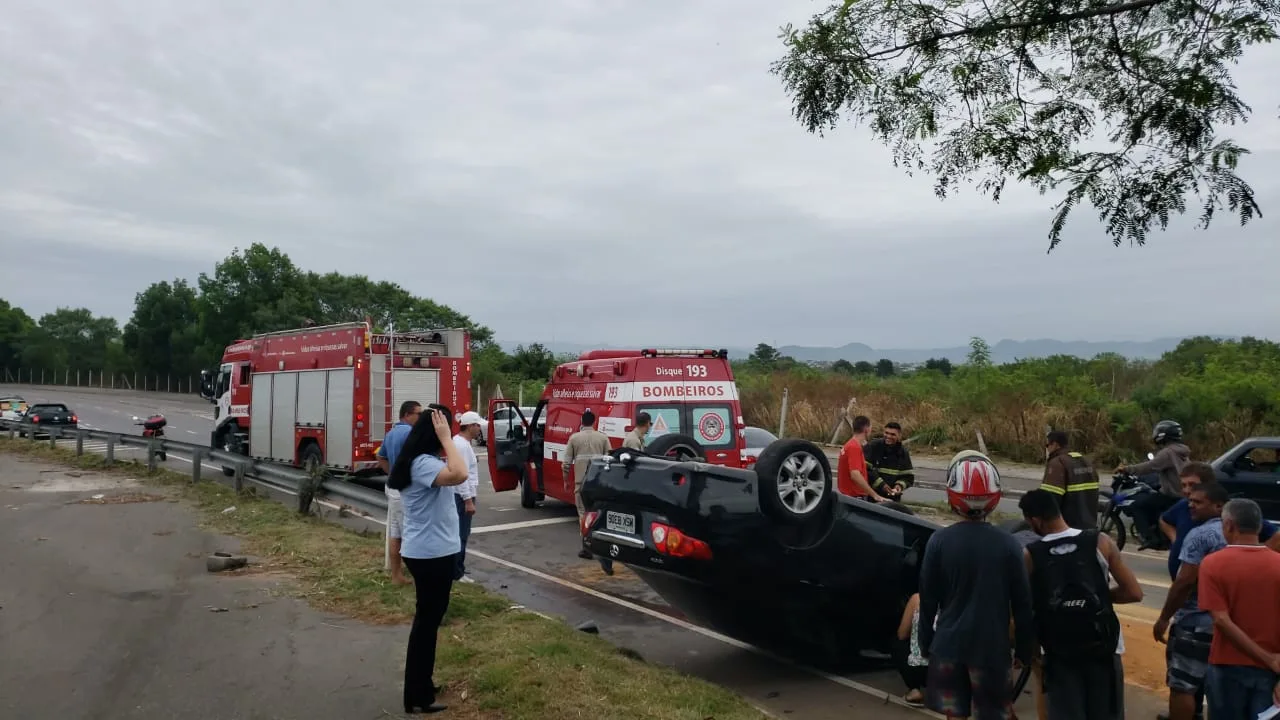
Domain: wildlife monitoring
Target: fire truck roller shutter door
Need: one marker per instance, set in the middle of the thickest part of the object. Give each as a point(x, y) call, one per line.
point(260, 417)
point(284, 413)
point(422, 386)
point(311, 398)
point(339, 418)
point(378, 416)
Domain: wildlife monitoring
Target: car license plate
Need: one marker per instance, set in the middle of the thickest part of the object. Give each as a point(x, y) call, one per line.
point(620, 522)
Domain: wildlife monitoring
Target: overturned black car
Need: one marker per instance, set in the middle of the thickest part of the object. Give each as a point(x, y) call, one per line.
point(772, 556)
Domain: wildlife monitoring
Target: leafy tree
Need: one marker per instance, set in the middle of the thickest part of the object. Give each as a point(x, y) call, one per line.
point(347, 298)
point(843, 367)
point(979, 352)
point(862, 367)
point(765, 355)
point(163, 336)
point(942, 365)
point(532, 362)
point(884, 368)
point(251, 291)
point(74, 339)
point(1026, 89)
point(15, 329)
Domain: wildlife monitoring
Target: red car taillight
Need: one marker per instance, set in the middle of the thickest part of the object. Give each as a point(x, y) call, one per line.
point(670, 541)
point(75, 420)
point(588, 519)
point(35, 418)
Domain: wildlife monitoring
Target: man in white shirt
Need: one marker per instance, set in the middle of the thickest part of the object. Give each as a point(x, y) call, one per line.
point(468, 431)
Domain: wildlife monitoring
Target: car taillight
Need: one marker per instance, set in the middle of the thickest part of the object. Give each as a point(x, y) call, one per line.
point(670, 541)
point(35, 418)
point(588, 520)
point(75, 420)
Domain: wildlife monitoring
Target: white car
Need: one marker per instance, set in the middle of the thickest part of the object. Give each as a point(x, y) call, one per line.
point(505, 418)
point(756, 440)
point(12, 407)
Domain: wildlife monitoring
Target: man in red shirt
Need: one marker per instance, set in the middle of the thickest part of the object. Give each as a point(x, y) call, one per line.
point(1239, 586)
point(851, 469)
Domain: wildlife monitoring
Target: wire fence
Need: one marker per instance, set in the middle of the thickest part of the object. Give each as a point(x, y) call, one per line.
point(67, 377)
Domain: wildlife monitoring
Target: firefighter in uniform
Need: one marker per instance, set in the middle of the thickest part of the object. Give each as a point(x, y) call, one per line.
point(889, 463)
point(1073, 481)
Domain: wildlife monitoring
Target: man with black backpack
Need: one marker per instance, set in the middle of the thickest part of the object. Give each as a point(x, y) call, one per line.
point(1076, 623)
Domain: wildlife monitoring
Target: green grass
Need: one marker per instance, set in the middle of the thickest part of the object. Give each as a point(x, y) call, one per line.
point(497, 662)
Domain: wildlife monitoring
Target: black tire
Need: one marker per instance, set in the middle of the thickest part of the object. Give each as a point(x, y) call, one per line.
point(311, 457)
point(678, 446)
point(1111, 525)
point(801, 470)
point(528, 499)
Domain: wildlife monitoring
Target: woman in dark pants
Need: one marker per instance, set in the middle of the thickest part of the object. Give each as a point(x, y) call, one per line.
point(429, 544)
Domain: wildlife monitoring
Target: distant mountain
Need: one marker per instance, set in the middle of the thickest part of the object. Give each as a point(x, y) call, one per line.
point(1001, 352)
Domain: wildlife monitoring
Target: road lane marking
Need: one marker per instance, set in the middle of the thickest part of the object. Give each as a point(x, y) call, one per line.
point(521, 524)
point(839, 680)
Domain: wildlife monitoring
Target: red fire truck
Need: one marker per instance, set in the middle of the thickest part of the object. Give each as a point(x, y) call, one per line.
point(326, 396)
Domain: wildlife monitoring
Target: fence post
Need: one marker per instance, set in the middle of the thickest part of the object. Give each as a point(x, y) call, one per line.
point(239, 477)
point(197, 461)
point(111, 450)
point(90, 383)
point(41, 375)
point(982, 443)
point(135, 380)
point(782, 421)
point(79, 443)
point(113, 381)
point(152, 452)
point(168, 383)
point(53, 438)
point(77, 378)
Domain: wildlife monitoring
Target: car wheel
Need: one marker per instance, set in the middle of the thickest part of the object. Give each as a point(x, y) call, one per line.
point(795, 480)
point(676, 446)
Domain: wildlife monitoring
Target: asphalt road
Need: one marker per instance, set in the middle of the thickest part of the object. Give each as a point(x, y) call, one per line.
point(107, 612)
point(530, 556)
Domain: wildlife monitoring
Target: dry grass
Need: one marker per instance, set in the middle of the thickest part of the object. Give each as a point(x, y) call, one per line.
point(497, 661)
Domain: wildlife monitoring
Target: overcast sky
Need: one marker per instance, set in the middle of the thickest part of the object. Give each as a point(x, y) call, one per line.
point(576, 170)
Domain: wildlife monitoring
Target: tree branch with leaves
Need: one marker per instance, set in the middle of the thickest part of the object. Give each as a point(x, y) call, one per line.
point(1118, 105)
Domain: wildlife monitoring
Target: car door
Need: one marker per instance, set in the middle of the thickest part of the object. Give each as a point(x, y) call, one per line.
point(1253, 471)
point(508, 444)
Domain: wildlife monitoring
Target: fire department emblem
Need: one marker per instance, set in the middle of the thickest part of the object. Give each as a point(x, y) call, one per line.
point(711, 427)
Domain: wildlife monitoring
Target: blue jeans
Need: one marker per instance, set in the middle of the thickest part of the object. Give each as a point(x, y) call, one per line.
point(464, 532)
point(1238, 691)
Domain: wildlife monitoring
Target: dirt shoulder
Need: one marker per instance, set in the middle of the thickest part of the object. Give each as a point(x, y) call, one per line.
point(116, 604)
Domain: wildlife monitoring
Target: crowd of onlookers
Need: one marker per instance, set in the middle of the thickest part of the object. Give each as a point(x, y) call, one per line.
point(1042, 600)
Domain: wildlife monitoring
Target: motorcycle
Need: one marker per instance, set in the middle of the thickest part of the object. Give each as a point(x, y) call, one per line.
point(153, 427)
point(1117, 500)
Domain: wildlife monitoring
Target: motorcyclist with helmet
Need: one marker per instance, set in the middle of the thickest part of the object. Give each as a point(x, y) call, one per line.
point(1170, 456)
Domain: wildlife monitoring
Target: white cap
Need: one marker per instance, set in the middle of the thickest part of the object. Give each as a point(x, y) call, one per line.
point(470, 417)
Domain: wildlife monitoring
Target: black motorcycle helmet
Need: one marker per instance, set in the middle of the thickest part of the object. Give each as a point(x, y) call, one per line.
point(1166, 431)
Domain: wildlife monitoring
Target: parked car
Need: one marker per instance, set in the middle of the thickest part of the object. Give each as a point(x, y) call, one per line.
point(1251, 469)
point(505, 418)
point(12, 407)
point(757, 439)
point(772, 556)
point(46, 415)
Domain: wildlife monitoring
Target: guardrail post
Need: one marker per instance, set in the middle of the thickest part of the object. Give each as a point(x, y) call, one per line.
point(197, 462)
point(13, 432)
point(32, 435)
point(53, 437)
point(79, 443)
point(239, 477)
point(151, 455)
point(111, 450)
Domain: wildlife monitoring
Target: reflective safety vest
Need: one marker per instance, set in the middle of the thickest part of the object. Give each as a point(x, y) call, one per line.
point(1070, 477)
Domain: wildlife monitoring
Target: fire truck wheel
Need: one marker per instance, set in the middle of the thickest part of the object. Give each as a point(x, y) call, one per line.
point(311, 458)
point(676, 446)
point(528, 498)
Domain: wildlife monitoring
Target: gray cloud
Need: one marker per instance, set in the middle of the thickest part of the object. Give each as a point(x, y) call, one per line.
point(520, 161)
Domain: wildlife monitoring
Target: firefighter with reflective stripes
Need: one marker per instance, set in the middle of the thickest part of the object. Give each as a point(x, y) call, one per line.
point(889, 463)
point(1073, 481)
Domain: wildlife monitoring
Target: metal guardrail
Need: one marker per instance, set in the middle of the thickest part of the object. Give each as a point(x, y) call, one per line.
point(282, 477)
